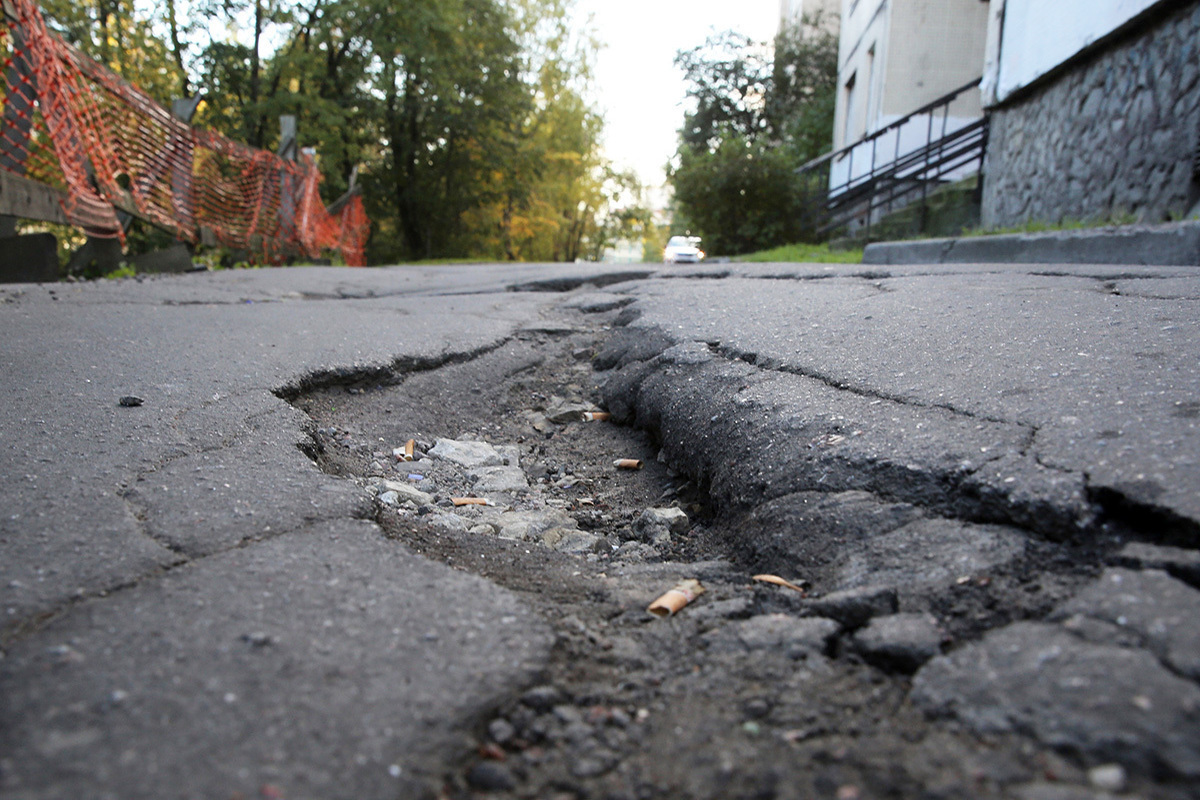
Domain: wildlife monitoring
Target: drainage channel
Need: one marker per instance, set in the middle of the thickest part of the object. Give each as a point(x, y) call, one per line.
point(754, 690)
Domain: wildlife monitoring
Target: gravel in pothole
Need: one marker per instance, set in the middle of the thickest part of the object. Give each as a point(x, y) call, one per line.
point(752, 690)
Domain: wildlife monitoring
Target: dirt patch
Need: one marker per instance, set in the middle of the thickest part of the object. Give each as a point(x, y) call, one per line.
point(748, 692)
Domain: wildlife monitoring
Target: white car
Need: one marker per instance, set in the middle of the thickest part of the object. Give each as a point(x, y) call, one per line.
point(683, 250)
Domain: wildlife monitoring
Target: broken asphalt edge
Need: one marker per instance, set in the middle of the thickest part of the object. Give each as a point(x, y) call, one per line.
point(698, 400)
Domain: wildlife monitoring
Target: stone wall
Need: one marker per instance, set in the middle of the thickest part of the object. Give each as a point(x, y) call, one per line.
point(1113, 135)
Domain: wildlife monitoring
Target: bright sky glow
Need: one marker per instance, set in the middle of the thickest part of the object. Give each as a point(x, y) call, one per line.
point(639, 90)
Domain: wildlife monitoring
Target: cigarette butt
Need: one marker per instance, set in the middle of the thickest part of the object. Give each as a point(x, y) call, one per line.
point(679, 596)
point(471, 501)
point(778, 581)
point(628, 463)
point(407, 452)
point(596, 416)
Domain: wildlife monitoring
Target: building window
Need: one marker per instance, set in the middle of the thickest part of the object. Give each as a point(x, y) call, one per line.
point(869, 112)
point(849, 134)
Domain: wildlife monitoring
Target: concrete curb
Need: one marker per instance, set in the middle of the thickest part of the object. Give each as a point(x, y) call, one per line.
point(1173, 244)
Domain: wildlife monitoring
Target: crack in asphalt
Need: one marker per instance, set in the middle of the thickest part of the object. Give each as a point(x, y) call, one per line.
point(385, 374)
point(567, 284)
point(139, 513)
point(1145, 521)
point(961, 493)
point(1140, 520)
point(768, 365)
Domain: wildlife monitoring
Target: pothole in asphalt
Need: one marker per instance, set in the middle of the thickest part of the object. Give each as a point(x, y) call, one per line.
point(752, 690)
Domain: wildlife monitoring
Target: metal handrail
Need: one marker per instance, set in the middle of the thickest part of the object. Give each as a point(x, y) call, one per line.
point(944, 100)
point(899, 176)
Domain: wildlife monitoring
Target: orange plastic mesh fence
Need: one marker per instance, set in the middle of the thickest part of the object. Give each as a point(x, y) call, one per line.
point(73, 124)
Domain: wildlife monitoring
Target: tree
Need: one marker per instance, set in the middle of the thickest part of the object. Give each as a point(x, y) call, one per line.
point(552, 185)
point(730, 77)
point(800, 104)
point(466, 117)
point(755, 121)
point(115, 34)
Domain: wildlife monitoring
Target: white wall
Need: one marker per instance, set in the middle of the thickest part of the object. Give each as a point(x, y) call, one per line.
point(1038, 35)
point(862, 55)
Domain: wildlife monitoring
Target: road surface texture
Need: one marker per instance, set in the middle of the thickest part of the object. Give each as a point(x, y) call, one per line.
point(222, 577)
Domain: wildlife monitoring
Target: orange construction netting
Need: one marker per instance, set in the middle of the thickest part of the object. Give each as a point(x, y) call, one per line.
point(71, 123)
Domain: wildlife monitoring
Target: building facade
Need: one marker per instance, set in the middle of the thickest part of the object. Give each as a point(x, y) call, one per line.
point(1095, 110)
point(896, 56)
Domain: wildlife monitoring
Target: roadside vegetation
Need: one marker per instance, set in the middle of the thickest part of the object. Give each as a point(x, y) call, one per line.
point(758, 113)
point(1041, 226)
point(803, 254)
point(467, 119)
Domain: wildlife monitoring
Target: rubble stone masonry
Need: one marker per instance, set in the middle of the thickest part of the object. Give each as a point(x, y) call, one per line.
point(1115, 134)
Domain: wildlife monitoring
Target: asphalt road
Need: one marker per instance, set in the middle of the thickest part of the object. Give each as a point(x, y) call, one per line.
point(191, 608)
point(1074, 383)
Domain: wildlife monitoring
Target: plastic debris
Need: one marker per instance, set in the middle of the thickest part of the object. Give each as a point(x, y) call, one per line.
point(778, 581)
point(628, 463)
point(130, 401)
point(679, 596)
point(596, 416)
point(472, 501)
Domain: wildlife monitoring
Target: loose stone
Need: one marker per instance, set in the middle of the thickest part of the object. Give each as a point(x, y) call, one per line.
point(527, 525)
point(563, 412)
point(1162, 611)
point(406, 492)
point(469, 455)
point(798, 637)
point(855, 607)
point(655, 525)
point(498, 479)
point(574, 541)
point(501, 731)
point(543, 698)
point(1107, 777)
point(490, 776)
point(900, 641)
point(1070, 694)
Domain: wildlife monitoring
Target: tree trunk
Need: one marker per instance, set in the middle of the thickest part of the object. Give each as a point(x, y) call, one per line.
point(258, 126)
point(415, 238)
point(185, 89)
point(506, 228)
point(102, 21)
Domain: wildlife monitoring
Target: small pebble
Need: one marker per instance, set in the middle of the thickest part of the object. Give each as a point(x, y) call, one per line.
point(1107, 778)
point(542, 698)
point(501, 731)
point(130, 401)
point(491, 776)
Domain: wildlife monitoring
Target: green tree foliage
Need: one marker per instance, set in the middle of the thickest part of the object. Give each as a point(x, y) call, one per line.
point(466, 118)
point(730, 76)
point(759, 115)
point(114, 33)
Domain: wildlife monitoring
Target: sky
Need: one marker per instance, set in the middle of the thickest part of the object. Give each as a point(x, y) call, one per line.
point(639, 91)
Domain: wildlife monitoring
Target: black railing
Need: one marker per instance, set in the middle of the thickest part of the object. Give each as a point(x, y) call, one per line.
point(895, 172)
